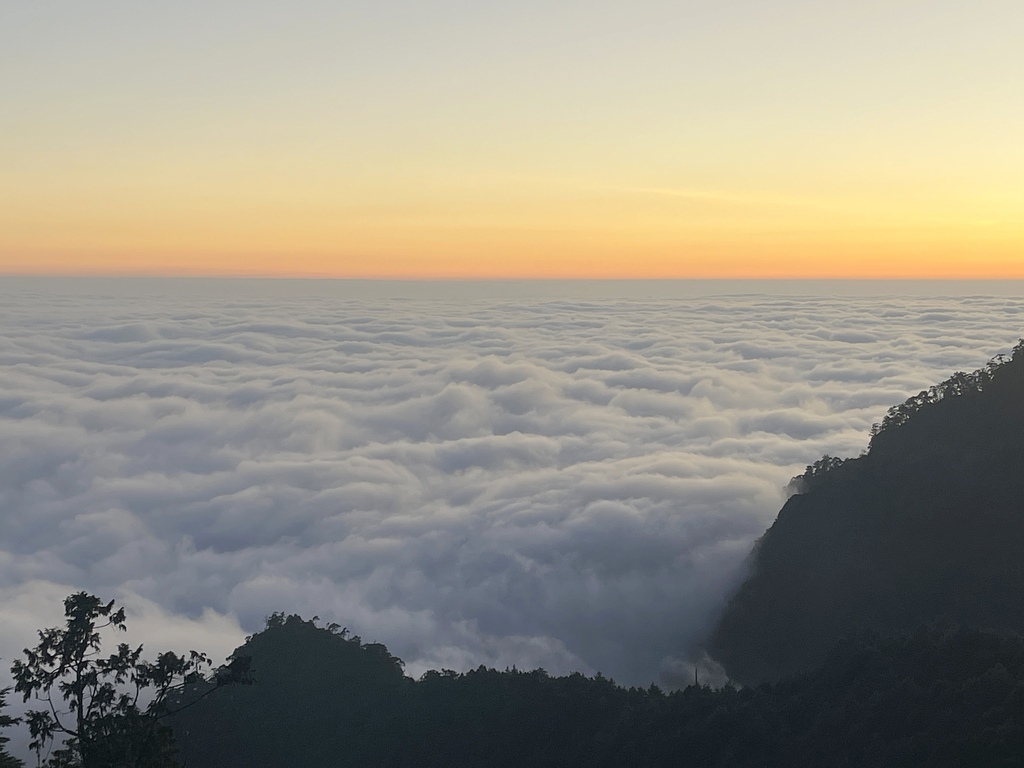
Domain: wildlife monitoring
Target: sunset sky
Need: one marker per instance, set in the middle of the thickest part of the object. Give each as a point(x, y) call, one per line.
point(457, 139)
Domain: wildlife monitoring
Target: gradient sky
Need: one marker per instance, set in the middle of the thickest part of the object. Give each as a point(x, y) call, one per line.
point(528, 139)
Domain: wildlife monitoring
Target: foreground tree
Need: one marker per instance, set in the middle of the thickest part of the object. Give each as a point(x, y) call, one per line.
point(6, 721)
point(106, 709)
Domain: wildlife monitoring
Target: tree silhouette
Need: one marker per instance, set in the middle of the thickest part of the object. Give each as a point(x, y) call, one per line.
point(108, 709)
point(6, 721)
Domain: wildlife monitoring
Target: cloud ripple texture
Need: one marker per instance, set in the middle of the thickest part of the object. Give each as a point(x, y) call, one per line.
point(536, 482)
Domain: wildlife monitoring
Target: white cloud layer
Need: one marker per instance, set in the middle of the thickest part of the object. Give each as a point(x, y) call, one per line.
point(571, 484)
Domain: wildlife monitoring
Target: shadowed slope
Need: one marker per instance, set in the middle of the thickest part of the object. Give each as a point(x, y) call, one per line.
point(928, 523)
point(321, 700)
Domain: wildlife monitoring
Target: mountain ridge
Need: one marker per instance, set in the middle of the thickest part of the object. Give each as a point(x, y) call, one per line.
point(927, 523)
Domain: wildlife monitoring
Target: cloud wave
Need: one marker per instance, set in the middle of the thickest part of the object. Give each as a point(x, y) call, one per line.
point(571, 484)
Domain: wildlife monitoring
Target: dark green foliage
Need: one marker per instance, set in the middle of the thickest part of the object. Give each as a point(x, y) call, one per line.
point(318, 692)
point(6, 721)
point(929, 522)
point(108, 708)
point(321, 699)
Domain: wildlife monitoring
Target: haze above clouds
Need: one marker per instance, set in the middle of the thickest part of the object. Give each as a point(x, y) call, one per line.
point(572, 484)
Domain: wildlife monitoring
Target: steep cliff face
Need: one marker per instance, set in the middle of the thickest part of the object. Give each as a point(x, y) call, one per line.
point(927, 525)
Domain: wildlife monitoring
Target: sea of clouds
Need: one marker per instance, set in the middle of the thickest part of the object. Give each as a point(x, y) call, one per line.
point(567, 483)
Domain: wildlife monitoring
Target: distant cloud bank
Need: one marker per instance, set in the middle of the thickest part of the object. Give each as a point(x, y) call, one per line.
point(566, 484)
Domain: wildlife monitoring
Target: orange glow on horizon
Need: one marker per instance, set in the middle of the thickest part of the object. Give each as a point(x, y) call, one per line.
point(526, 231)
point(850, 258)
point(751, 140)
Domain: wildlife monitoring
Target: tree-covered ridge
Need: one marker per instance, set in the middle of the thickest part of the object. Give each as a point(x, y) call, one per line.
point(324, 699)
point(960, 384)
point(928, 522)
point(937, 698)
point(1002, 371)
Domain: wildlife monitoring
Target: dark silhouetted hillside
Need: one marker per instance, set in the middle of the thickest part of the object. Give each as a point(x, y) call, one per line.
point(318, 693)
point(324, 700)
point(927, 524)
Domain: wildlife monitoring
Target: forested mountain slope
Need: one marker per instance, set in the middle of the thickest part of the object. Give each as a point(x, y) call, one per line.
point(324, 700)
point(928, 524)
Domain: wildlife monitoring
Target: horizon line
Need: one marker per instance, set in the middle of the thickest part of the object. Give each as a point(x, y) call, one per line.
point(495, 279)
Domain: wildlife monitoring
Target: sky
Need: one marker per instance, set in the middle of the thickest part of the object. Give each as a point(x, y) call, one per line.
point(453, 139)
